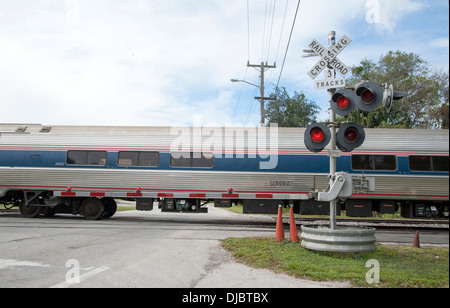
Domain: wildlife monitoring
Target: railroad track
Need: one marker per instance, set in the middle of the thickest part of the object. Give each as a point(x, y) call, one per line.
point(419, 224)
point(425, 224)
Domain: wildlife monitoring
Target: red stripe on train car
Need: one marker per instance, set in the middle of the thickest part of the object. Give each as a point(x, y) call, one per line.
point(134, 194)
point(97, 194)
point(165, 195)
point(68, 194)
point(264, 196)
point(230, 196)
point(197, 195)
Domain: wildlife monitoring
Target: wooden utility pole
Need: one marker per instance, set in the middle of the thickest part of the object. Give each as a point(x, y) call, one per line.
point(262, 68)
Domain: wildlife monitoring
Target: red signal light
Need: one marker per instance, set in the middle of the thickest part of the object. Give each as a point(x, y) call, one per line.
point(351, 135)
point(368, 97)
point(317, 135)
point(343, 102)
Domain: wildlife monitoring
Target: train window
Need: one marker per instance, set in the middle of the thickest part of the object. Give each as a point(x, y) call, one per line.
point(385, 162)
point(428, 163)
point(440, 163)
point(96, 158)
point(205, 160)
point(140, 159)
point(362, 162)
point(420, 163)
point(180, 159)
point(374, 162)
point(92, 158)
point(128, 159)
point(191, 160)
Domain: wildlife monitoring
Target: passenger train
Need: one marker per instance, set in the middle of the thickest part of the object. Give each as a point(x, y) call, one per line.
point(83, 169)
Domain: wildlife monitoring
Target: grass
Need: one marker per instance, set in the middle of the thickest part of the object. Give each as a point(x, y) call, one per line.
point(400, 267)
point(125, 208)
point(2, 207)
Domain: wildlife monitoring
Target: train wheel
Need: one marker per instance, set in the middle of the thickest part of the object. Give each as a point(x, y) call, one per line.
point(29, 211)
point(92, 209)
point(110, 207)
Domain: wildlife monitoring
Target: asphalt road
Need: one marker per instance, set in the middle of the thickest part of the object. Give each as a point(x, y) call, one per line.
point(142, 249)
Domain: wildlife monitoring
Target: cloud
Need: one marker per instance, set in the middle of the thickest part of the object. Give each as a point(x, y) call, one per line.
point(442, 42)
point(104, 62)
point(114, 62)
point(385, 14)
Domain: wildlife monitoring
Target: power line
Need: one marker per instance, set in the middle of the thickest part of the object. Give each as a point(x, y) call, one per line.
point(271, 29)
point(282, 29)
point(248, 28)
point(268, 27)
point(289, 42)
point(264, 33)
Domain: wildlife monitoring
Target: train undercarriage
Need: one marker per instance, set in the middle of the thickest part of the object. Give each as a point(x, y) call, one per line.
point(34, 203)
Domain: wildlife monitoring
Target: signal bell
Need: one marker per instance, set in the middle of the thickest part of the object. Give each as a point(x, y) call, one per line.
point(350, 136)
point(317, 136)
point(371, 96)
point(343, 102)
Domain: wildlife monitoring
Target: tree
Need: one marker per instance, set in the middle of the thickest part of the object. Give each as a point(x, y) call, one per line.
point(295, 111)
point(440, 113)
point(425, 106)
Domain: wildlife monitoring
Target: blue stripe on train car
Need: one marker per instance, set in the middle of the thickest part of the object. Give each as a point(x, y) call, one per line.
point(283, 163)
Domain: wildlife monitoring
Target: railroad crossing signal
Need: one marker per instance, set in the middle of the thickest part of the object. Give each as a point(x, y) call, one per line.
point(368, 96)
point(343, 102)
point(317, 137)
point(371, 95)
point(349, 137)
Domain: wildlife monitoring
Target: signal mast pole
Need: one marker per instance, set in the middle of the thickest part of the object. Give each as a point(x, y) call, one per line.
point(332, 152)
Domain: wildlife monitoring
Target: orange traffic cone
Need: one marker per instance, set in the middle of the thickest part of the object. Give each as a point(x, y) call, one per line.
point(416, 243)
point(293, 227)
point(279, 232)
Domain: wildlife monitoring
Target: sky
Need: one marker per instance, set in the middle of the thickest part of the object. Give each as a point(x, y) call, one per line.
point(170, 62)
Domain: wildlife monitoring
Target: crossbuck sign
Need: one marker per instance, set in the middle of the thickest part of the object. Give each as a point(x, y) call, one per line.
point(328, 57)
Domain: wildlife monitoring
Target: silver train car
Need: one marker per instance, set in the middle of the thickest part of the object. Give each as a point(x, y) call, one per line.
point(82, 169)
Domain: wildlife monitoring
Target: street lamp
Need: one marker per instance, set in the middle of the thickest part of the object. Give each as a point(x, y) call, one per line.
point(238, 80)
